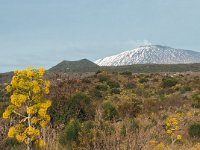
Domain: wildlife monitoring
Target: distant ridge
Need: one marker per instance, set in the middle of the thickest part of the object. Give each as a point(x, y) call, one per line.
point(83, 65)
point(151, 54)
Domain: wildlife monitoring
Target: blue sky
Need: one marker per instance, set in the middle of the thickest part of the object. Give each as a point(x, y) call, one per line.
point(45, 32)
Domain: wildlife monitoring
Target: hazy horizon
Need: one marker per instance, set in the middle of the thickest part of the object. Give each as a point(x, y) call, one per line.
point(43, 33)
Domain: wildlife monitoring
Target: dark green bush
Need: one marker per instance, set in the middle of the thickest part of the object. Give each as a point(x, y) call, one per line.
point(130, 85)
point(130, 108)
point(185, 89)
point(115, 91)
point(169, 82)
point(98, 71)
point(70, 133)
point(103, 78)
point(96, 94)
point(134, 124)
point(109, 110)
point(143, 80)
point(102, 87)
point(87, 125)
point(77, 106)
point(126, 73)
point(196, 100)
point(113, 84)
point(194, 130)
point(86, 80)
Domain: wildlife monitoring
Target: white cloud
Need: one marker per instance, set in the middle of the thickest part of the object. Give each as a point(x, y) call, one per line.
point(137, 43)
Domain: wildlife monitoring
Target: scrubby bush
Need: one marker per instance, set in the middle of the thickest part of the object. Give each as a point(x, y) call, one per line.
point(58, 111)
point(76, 106)
point(134, 124)
point(143, 80)
point(86, 80)
point(194, 130)
point(130, 85)
point(79, 106)
point(196, 100)
point(103, 78)
point(102, 87)
point(185, 89)
point(109, 110)
point(126, 73)
point(70, 133)
point(98, 71)
point(96, 94)
point(115, 91)
point(87, 125)
point(113, 84)
point(169, 82)
point(130, 108)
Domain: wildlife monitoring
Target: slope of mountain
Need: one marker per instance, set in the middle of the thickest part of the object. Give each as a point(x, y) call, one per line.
point(151, 54)
point(83, 65)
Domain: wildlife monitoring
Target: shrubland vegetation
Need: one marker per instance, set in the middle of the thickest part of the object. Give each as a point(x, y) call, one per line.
point(118, 110)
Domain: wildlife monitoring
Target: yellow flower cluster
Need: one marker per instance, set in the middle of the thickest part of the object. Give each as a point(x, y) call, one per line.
point(172, 127)
point(8, 111)
point(160, 145)
point(40, 143)
point(18, 99)
point(32, 132)
point(29, 79)
point(15, 130)
point(11, 132)
point(31, 109)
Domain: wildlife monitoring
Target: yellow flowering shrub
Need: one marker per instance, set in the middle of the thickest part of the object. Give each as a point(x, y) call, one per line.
point(172, 127)
point(27, 101)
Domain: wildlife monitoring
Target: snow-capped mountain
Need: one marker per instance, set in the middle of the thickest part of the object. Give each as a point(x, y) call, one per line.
point(151, 54)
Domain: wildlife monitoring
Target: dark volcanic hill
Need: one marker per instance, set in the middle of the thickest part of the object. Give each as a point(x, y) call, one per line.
point(83, 65)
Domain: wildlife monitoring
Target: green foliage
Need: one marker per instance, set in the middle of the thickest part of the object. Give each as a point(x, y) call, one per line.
point(123, 130)
point(3, 105)
point(102, 87)
point(115, 91)
point(113, 84)
point(134, 124)
point(130, 108)
point(79, 106)
point(70, 133)
point(130, 85)
point(185, 89)
point(196, 100)
point(103, 78)
point(194, 130)
point(98, 71)
point(86, 80)
point(87, 125)
point(143, 80)
point(107, 127)
point(11, 142)
point(96, 94)
point(109, 110)
point(126, 73)
point(169, 82)
point(58, 111)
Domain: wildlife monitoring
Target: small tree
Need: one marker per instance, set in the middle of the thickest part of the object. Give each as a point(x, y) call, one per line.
point(28, 107)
